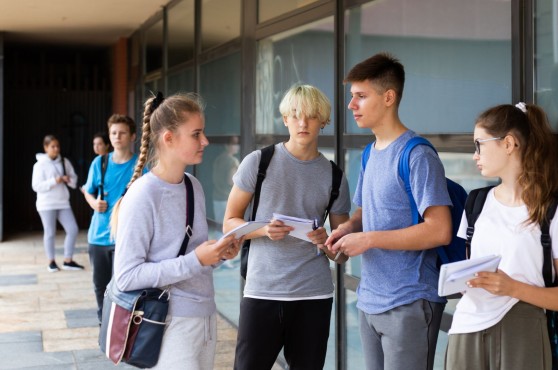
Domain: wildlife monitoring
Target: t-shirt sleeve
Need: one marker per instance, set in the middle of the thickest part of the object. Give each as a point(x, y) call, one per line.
point(91, 185)
point(247, 174)
point(342, 204)
point(428, 181)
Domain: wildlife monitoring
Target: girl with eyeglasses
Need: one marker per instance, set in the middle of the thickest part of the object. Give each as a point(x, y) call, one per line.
point(500, 321)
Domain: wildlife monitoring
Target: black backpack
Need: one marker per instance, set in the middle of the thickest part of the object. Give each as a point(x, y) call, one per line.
point(473, 208)
point(267, 154)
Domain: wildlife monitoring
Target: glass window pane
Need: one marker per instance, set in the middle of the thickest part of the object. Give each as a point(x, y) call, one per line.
point(180, 32)
point(268, 9)
point(220, 88)
point(220, 22)
point(154, 47)
point(180, 81)
point(355, 358)
point(305, 55)
point(461, 168)
point(546, 58)
point(457, 57)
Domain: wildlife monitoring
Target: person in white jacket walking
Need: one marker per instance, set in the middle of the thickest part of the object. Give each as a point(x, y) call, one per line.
point(52, 175)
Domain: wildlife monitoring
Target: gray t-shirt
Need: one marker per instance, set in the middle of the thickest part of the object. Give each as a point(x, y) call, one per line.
point(151, 228)
point(289, 269)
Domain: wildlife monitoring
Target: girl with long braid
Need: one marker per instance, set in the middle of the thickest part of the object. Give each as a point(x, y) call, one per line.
point(150, 225)
point(500, 323)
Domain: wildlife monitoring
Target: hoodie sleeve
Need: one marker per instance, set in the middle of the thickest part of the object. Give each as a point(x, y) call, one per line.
point(71, 173)
point(40, 183)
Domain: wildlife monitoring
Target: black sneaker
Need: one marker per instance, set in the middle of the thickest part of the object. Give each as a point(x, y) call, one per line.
point(53, 267)
point(71, 266)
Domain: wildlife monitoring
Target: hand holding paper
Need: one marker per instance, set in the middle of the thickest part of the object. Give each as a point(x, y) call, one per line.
point(454, 276)
point(301, 226)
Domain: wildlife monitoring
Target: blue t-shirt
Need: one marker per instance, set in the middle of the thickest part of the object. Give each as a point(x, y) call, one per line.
point(392, 278)
point(117, 176)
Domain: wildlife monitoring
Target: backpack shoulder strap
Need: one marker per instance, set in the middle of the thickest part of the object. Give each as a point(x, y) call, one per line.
point(336, 177)
point(267, 154)
point(104, 165)
point(473, 208)
point(63, 165)
point(404, 170)
point(366, 155)
point(546, 242)
point(189, 213)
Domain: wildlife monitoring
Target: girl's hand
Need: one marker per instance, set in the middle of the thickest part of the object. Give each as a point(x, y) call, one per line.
point(59, 179)
point(277, 230)
point(66, 179)
point(497, 283)
point(233, 250)
point(318, 236)
point(213, 251)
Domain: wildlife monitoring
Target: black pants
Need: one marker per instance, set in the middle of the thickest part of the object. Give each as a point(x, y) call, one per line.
point(101, 258)
point(265, 326)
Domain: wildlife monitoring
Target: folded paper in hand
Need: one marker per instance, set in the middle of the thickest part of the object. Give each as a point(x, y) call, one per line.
point(245, 228)
point(454, 276)
point(302, 226)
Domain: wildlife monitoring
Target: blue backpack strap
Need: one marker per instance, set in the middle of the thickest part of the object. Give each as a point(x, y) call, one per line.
point(365, 156)
point(404, 170)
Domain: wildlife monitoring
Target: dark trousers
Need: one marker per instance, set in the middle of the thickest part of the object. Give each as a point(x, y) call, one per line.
point(301, 328)
point(101, 258)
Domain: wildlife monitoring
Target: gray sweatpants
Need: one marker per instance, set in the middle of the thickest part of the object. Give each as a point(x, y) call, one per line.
point(188, 343)
point(68, 222)
point(402, 338)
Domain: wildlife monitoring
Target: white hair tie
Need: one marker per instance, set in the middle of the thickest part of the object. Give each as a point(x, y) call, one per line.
point(522, 106)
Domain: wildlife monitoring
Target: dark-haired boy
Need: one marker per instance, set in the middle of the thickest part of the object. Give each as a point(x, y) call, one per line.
point(399, 308)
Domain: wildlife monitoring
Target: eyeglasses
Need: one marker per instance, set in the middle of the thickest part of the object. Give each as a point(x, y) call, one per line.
point(479, 141)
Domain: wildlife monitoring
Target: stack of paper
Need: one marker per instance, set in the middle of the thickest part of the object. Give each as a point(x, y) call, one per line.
point(454, 276)
point(302, 226)
point(246, 228)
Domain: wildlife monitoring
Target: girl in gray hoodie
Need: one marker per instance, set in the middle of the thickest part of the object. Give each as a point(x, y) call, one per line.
point(52, 175)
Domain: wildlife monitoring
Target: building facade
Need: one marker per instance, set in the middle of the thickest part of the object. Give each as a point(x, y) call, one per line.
point(461, 57)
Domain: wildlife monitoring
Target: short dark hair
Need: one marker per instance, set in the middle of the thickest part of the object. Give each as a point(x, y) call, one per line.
point(103, 136)
point(382, 69)
point(121, 118)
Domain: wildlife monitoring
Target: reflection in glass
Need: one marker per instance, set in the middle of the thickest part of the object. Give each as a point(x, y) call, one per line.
point(181, 81)
point(305, 55)
point(220, 22)
point(457, 57)
point(546, 58)
point(154, 47)
point(268, 9)
point(220, 88)
point(180, 32)
point(224, 167)
point(355, 359)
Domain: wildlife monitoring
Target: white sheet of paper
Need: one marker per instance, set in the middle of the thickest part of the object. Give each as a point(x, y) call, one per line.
point(302, 226)
point(454, 276)
point(246, 228)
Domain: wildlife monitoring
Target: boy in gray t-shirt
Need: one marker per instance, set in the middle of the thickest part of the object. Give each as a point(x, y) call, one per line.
point(399, 309)
point(289, 290)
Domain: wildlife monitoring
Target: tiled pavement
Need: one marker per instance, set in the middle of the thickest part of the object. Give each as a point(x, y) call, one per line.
point(48, 320)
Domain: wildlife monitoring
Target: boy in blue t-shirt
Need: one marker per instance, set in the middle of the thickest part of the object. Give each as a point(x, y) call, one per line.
point(119, 170)
point(399, 308)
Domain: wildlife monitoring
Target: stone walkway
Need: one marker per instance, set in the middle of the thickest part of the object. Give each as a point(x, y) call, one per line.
point(48, 320)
